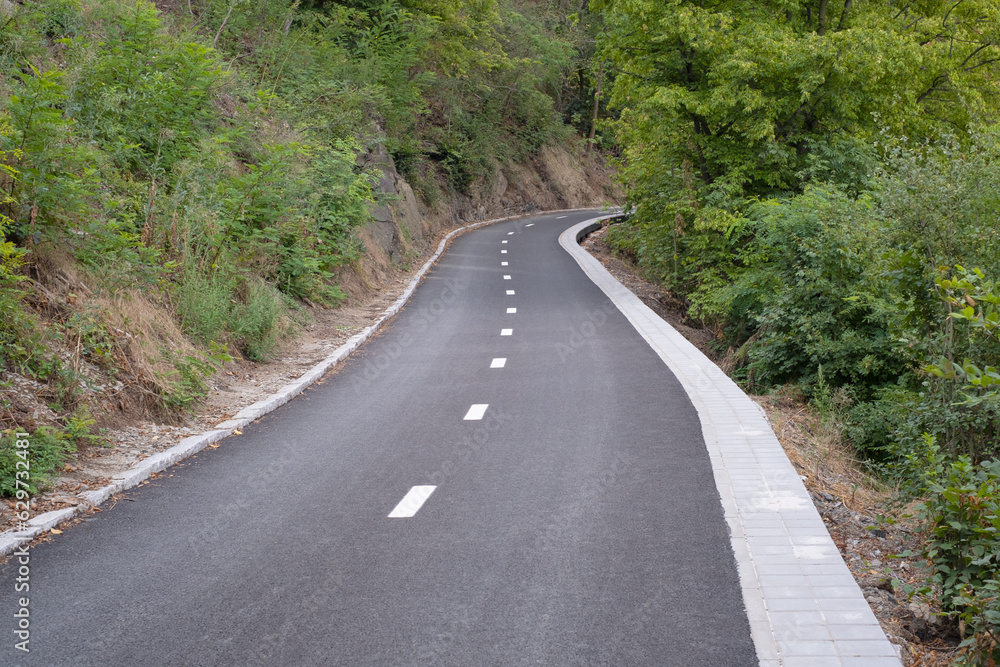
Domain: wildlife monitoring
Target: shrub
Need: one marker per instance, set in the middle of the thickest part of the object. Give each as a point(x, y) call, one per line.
point(255, 321)
point(806, 285)
point(961, 513)
point(49, 450)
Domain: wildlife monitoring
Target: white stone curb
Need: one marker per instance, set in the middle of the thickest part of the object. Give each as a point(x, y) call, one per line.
point(804, 606)
point(140, 471)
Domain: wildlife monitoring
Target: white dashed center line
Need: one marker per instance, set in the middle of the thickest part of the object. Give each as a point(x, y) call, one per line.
point(504, 241)
point(476, 412)
point(510, 233)
point(499, 362)
point(412, 502)
point(506, 332)
point(510, 292)
point(503, 252)
point(506, 277)
point(529, 224)
point(503, 263)
point(560, 217)
point(511, 310)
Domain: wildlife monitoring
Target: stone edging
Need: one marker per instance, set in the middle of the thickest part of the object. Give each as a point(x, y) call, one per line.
point(141, 470)
point(803, 603)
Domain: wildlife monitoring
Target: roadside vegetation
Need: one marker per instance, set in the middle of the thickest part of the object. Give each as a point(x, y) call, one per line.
point(177, 179)
point(819, 182)
point(816, 180)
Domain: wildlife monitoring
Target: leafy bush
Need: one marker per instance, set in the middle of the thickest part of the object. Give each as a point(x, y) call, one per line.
point(961, 512)
point(255, 322)
point(805, 287)
point(49, 450)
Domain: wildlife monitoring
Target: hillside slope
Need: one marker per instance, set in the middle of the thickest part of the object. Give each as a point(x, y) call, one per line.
point(189, 187)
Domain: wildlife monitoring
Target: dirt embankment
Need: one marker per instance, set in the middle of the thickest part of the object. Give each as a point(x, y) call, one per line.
point(404, 232)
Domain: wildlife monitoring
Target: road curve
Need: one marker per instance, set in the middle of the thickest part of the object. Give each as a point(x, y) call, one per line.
point(507, 475)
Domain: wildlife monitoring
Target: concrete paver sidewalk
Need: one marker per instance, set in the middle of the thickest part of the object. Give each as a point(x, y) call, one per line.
point(804, 606)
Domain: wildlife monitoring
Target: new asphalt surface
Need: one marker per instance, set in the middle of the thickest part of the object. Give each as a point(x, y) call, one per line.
point(576, 523)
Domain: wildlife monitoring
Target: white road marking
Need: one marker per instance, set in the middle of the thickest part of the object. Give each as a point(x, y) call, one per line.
point(506, 277)
point(506, 332)
point(476, 412)
point(560, 217)
point(511, 310)
point(504, 241)
point(499, 362)
point(503, 252)
point(530, 224)
point(412, 502)
point(503, 263)
point(510, 292)
point(510, 233)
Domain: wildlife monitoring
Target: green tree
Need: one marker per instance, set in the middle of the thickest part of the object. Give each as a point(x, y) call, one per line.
point(725, 102)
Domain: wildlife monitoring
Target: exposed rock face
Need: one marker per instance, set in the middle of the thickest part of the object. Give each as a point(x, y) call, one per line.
point(403, 226)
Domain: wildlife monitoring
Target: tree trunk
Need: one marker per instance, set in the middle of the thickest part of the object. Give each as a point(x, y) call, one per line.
point(597, 108)
point(822, 17)
point(843, 15)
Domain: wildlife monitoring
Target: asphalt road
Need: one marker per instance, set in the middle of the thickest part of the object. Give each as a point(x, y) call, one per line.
point(575, 523)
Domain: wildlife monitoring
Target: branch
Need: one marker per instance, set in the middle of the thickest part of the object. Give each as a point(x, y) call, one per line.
point(944, 21)
point(966, 61)
point(843, 15)
point(985, 62)
point(224, 21)
point(934, 87)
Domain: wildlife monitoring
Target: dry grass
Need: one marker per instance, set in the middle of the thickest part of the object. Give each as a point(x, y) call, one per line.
point(818, 451)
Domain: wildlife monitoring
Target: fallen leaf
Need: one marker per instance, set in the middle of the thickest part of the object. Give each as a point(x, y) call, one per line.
point(55, 532)
point(237, 432)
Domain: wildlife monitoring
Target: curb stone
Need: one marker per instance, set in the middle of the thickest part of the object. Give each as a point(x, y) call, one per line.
point(10, 540)
point(803, 604)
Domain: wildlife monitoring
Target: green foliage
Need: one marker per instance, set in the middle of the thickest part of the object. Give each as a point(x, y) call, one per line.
point(728, 103)
point(49, 450)
point(748, 93)
point(256, 321)
point(48, 181)
point(187, 385)
point(805, 284)
point(208, 154)
point(961, 511)
point(974, 300)
point(140, 93)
